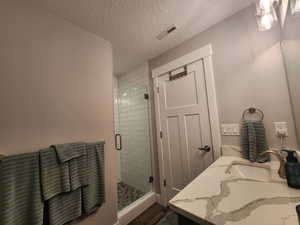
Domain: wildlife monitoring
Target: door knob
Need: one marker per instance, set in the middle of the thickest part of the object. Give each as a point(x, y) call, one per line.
point(206, 148)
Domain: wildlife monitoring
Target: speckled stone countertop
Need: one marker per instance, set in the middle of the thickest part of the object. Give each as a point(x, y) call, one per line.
point(220, 198)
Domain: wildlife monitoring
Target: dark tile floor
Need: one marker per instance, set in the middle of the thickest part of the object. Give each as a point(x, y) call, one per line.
point(156, 215)
point(127, 195)
point(169, 219)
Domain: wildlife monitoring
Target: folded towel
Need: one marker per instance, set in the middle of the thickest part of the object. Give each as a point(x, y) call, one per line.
point(79, 172)
point(20, 192)
point(61, 186)
point(253, 140)
point(64, 208)
point(66, 152)
point(55, 177)
point(94, 193)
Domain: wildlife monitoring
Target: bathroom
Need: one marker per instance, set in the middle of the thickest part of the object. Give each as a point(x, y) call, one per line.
point(164, 85)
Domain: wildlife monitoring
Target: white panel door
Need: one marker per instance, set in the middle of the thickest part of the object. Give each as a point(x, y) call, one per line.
point(184, 119)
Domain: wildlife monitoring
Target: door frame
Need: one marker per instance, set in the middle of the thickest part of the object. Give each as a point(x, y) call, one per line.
point(205, 53)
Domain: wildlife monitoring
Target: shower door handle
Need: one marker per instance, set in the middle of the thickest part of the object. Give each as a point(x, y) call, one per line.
point(206, 148)
point(118, 142)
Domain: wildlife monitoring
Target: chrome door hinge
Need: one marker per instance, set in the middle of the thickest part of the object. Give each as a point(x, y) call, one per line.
point(161, 134)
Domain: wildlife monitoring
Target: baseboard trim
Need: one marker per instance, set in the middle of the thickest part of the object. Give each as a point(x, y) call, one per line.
point(158, 199)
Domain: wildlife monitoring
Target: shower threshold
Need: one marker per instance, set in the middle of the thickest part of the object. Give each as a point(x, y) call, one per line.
point(127, 195)
point(132, 211)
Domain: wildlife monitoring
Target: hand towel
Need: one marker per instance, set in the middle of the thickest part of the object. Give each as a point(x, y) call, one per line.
point(61, 185)
point(66, 152)
point(94, 193)
point(253, 140)
point(55, 176)
point(79, 172)
point(59, 177)
point(20, 192)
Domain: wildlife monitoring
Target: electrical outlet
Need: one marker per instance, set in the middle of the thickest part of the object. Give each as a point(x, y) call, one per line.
point(230, 129)
point(281, 129)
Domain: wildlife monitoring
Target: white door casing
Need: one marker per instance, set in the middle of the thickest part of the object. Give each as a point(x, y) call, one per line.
point(186, 113)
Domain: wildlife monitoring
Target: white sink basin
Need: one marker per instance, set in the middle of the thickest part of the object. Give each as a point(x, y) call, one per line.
point(248, 170)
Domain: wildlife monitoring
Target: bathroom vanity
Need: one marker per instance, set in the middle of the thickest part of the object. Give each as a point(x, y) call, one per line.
point(234, 192)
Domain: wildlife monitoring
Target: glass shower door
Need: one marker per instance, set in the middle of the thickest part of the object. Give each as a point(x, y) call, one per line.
point(134, 143)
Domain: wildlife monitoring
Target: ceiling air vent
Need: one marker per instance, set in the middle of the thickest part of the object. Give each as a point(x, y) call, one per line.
point(169, 30)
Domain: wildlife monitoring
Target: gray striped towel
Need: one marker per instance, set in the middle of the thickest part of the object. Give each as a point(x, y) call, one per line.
point(64, 208)
point(76, 156)
point(61, 186)
point(66, 152)
point(79, 172)
point(20, 192)
point(253, 140)
point(55, 177)
point(94, 193)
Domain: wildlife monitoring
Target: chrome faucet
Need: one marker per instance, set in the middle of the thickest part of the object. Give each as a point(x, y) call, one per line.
point(281, 170)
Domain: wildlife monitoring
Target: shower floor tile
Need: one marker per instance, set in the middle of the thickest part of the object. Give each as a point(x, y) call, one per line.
point(127, 195)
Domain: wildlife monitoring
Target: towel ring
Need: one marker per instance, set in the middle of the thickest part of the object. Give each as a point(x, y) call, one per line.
point(252, 110)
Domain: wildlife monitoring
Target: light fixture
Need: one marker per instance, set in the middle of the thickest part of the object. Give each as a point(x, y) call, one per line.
point(266, 14)
point(295, 7)
point(266, 21)
point(265, 5)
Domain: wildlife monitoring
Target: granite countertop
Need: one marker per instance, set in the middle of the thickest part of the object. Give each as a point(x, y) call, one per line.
point(220, 197)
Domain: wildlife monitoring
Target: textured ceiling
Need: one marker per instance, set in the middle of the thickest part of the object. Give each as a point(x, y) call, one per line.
point(132, 25)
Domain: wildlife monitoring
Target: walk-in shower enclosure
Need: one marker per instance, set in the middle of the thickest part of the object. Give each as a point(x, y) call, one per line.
point(132, 128)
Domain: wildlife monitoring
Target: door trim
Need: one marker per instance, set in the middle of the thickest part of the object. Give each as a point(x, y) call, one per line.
point(189, 58)
point(205, 53)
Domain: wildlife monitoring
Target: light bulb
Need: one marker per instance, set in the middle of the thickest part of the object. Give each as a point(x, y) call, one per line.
point(266, 18)
point(267, 21)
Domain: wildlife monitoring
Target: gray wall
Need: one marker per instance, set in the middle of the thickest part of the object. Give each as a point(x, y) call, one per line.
point(249, 71)
point(55, 87)
point(291, 51)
